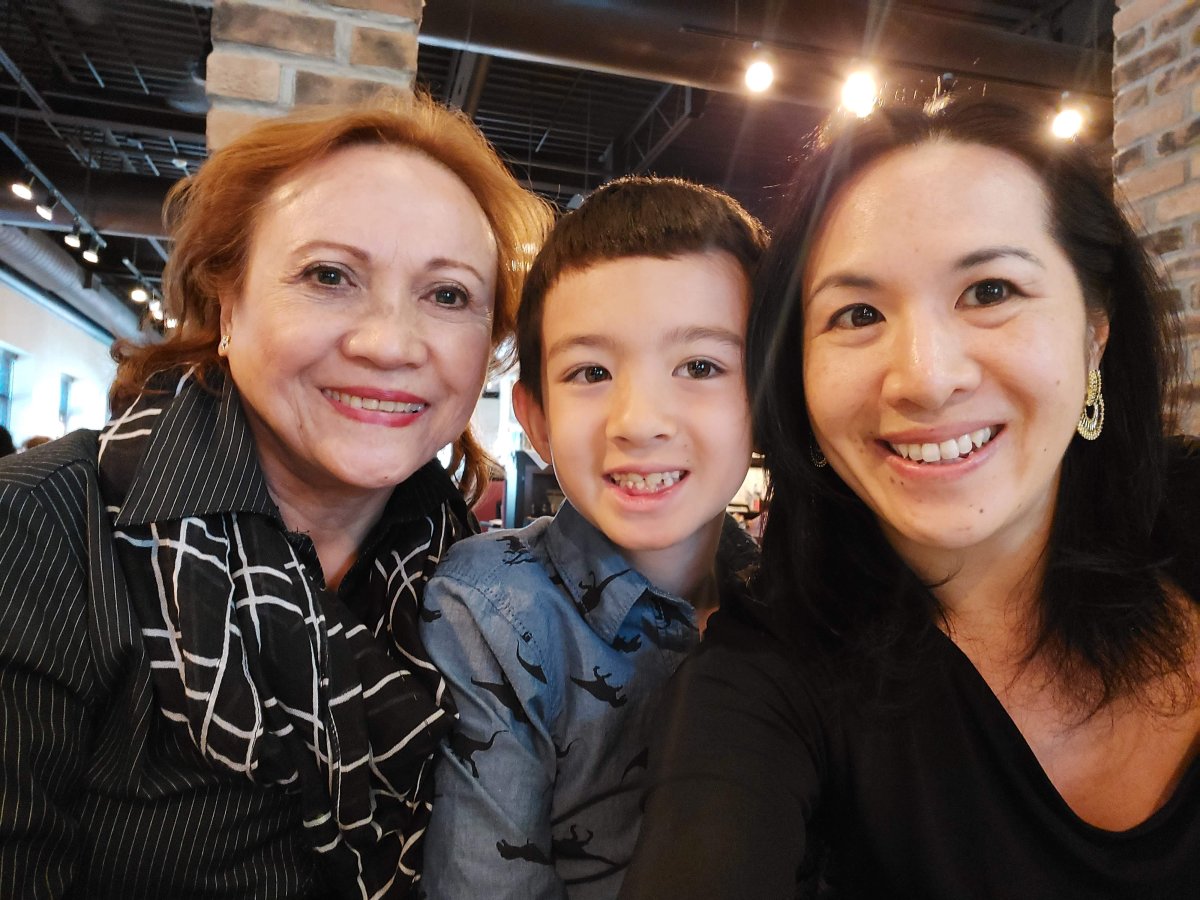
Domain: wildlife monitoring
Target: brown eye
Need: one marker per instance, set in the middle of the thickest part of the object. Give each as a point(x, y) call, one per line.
point(860, 315)
point(450, 296)
point(989, 292)
point(592, 374)
point(701, 368)
point(327, 276)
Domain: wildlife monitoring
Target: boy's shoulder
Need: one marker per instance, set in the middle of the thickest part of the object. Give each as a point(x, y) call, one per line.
point(499, 554)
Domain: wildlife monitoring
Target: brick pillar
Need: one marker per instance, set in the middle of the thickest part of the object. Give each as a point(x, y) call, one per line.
point(270, 56)
point(1156, 137)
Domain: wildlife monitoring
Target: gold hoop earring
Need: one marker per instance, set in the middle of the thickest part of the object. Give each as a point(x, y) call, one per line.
point(815, 454)
point(223, 347)
point(1091, 420)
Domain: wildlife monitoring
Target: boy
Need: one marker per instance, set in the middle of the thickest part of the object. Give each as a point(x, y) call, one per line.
point(557, 638)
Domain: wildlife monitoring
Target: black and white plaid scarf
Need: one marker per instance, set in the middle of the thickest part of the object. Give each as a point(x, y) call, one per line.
point(272, 675)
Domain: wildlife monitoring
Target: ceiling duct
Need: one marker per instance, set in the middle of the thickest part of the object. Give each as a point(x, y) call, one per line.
point(42, 261)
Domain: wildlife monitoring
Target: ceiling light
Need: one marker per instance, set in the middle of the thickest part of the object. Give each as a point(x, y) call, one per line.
point(172, 322)
point(1068, 123)
point(72, 238)
point(759, 75)
point(92, 253)
point(23, 189)
point(156, 310)
point(139, 295)
point(46, 208)
point(860, 94)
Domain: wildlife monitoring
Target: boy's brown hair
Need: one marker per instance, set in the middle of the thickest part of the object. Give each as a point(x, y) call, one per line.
point(631, 216)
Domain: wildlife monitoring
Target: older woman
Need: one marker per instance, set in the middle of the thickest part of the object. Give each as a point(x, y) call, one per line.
point(210, 680)
point(972, 668)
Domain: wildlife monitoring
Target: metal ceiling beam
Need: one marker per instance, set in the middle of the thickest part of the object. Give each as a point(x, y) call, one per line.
point(663, 120)
point(126, 127)
point(681, 42)
point(468, 75)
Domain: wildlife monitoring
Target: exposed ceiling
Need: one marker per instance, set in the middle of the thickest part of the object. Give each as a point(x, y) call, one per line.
point(106, 97)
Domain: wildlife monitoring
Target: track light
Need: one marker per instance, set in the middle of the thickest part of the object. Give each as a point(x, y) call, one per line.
point(72, 239)
point(760, 73)
point(860, 94)
point(92, 253)
point(139, 295)
point(22, 188)
point(1068, 123)
point(46, 208)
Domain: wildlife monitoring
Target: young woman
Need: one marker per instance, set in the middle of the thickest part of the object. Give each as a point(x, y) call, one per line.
point(972, 667)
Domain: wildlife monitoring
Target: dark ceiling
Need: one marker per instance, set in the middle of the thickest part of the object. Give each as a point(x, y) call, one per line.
point(106, 97)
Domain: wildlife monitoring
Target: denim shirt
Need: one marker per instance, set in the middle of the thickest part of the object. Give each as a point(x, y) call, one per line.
point(556, 652)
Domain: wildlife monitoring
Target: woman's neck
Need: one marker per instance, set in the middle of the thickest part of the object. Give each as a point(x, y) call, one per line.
point(988, 593)
point(336, 523)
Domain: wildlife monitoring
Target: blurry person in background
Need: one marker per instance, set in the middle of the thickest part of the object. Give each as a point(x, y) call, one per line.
point(36, 441)
point(972, 663)
point(211, 681)
point(6, 442)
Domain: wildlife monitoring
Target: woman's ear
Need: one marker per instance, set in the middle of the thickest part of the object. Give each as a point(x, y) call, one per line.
point(533, 420)
point(1097, 339)
point(225, 302)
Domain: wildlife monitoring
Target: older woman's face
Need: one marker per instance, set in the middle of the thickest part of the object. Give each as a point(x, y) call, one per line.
point(359, 340)
point(946, 349)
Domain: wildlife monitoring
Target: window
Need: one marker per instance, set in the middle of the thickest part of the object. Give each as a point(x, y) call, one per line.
point(64, 402)
point(7, 360)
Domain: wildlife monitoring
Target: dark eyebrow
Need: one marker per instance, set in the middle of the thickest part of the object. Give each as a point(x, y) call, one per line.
point(692, 333)
point(844, 280)
point(578, 340)
point(988, 254)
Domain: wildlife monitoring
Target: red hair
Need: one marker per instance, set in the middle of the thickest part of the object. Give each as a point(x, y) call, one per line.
point(212, 216)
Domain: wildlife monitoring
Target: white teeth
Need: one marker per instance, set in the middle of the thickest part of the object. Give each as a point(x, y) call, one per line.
point(371, 403)
point(645, 484)
point(948, 449)
point(945, 451)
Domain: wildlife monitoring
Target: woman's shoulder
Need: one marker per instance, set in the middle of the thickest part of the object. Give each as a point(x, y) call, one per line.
point(60, 471)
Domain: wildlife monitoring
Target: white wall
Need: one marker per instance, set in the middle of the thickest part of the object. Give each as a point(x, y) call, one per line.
point(49, 346)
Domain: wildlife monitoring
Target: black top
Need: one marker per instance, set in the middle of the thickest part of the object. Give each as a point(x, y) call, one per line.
point(101, 796)
point(763, 775)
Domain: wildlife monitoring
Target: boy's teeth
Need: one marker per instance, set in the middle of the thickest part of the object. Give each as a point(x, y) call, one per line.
point(356, 402)
point(946, 450)
point(649, 483)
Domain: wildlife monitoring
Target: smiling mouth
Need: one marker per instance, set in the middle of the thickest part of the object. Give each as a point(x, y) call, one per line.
point(646, 483)
point(948, 450)
point(371, 403)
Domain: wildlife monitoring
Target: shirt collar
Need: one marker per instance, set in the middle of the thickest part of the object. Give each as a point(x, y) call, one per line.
point(602, 584)
point(199, 457)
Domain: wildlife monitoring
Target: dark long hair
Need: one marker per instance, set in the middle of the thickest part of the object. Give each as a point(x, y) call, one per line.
point(829, 577)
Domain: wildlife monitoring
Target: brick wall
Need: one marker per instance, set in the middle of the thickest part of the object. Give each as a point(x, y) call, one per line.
point(270, 56)
point(1156, 137)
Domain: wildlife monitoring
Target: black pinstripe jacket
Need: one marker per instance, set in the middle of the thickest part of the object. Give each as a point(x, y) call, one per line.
point(99, 796)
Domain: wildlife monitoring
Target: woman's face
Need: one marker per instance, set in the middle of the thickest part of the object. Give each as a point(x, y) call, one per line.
point(946, 350)
point(360, 337)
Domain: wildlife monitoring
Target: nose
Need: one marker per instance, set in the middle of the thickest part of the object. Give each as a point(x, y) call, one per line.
point(389, 333)
point(930, 359)
point(638, 413)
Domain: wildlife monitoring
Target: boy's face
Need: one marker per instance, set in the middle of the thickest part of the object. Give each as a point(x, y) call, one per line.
point(644, 413)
